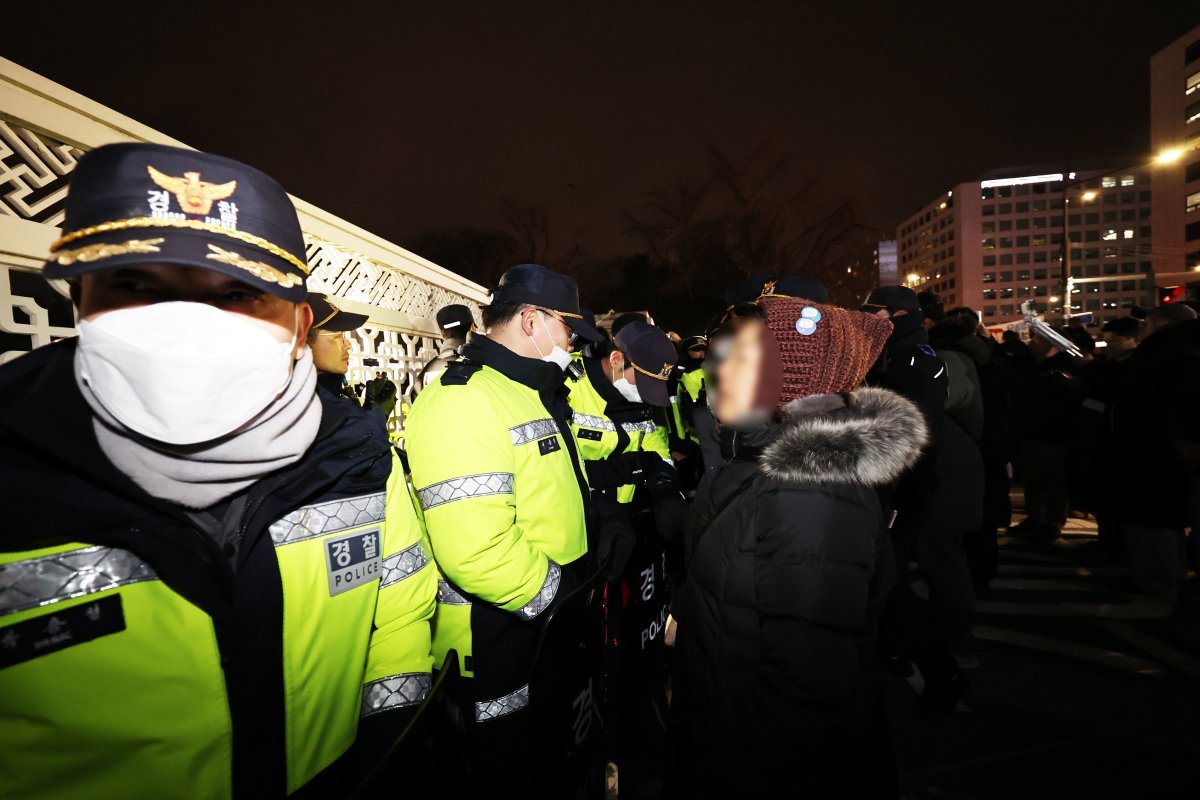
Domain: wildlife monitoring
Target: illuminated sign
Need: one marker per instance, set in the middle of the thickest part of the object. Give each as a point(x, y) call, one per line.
point(1058, 176)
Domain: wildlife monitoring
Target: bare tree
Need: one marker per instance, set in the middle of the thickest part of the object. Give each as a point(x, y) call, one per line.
point(756, 214)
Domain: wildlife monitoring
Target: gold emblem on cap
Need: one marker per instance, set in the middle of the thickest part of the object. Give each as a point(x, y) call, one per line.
point(194, 195)
point(187, 224)
point(258, 269)
point(102, 250)
point(662, 374)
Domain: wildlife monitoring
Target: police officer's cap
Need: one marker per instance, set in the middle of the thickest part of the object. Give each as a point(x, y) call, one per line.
point(694, 343)
point(652, 357)
point(152, 204)
point(455, 319)
point(629, 318)
point(328, 317)
point(546, 289)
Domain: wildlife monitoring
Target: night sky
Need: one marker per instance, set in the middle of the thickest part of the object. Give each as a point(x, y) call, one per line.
point(406, 118)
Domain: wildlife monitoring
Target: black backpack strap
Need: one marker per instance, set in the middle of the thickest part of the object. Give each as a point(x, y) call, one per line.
point(458, 373)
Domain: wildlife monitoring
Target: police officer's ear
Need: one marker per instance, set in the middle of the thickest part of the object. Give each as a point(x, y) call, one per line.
point(527, 316)
point(616, 363)
point(304, 321)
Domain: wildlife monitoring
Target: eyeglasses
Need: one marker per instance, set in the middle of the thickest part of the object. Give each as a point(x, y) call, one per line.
point(344, 335)
point(570, 332)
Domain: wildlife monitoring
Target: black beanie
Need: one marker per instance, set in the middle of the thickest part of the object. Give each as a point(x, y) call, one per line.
point(897, 298)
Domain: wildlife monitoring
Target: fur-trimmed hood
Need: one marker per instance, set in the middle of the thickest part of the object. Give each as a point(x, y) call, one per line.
point(868, 439)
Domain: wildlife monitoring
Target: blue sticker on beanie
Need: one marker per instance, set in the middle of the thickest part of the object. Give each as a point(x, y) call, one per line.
point(807, 324)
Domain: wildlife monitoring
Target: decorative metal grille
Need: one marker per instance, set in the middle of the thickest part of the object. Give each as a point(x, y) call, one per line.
point(33, 174)
point(34, 171)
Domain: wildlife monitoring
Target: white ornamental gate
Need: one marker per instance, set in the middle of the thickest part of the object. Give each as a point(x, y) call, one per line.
point(45, 128)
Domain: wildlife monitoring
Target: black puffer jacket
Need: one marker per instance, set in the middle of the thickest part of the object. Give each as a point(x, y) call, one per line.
point(777, 620)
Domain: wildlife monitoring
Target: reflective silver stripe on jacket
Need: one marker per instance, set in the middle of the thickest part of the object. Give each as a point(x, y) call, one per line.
point(407, 562)
point(49, 579)
point(648, 426)
point(322, 518)
point(541, 601)
point(532, 431)
point(448, 595)
point(502, 706)
point(396, 691)
point(595, 423)
point(461, 488)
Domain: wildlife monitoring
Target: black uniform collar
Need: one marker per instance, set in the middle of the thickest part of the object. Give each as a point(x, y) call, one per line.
point(536, 374)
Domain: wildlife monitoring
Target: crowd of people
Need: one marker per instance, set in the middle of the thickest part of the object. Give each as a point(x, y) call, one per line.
point(600, 559)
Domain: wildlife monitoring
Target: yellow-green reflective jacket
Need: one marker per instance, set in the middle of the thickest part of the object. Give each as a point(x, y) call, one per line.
point(502, 488)
point(607, 424)
point(138, 659)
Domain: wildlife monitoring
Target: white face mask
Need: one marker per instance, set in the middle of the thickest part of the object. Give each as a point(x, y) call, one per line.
point(556, 355)
point(628, 390)
point(182, 373)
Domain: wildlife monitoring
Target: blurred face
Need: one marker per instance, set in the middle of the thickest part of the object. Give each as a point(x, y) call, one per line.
point(97, 293)
point(738, 374)
point(331, 351)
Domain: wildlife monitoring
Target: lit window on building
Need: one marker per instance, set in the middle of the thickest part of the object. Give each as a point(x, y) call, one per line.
point(1127, 233)
point(1127, 180)
point(1193, 83)
point(1191, 113)
point(1193, 202)
point(1109, 235)
point(1108, 182)
point(989, 277)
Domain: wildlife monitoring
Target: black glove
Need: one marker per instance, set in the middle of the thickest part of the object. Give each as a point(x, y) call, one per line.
point(615, 544)
point(614, 471)
point(671, 514)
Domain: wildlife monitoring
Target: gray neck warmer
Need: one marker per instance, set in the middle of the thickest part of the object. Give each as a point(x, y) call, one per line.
point(199, 475)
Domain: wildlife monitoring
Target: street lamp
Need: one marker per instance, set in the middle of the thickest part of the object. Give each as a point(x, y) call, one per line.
point(1065, 279)
point(1169, 156)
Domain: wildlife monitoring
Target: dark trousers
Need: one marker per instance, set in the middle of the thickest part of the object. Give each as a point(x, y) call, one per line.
point(951, 590)
point(1044, 472)
point(910, 628)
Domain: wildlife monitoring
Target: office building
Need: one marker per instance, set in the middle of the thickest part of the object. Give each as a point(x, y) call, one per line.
point(1175, 136)
point(886, 263)
point(993, 243)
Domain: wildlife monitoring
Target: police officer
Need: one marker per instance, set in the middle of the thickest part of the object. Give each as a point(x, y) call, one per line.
point(455, 322)
point(611, 404)
point(635, 496)
point(500, 480)
point(212, 579)
point(329, 340)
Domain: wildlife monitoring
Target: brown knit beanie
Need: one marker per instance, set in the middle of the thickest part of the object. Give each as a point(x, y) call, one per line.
point(821, 348)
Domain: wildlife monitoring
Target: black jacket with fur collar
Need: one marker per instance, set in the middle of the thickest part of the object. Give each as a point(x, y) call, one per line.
point(790, 564)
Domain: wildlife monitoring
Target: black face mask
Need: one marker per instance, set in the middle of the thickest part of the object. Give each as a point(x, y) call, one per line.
point(906, 324)
point(690, 363)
